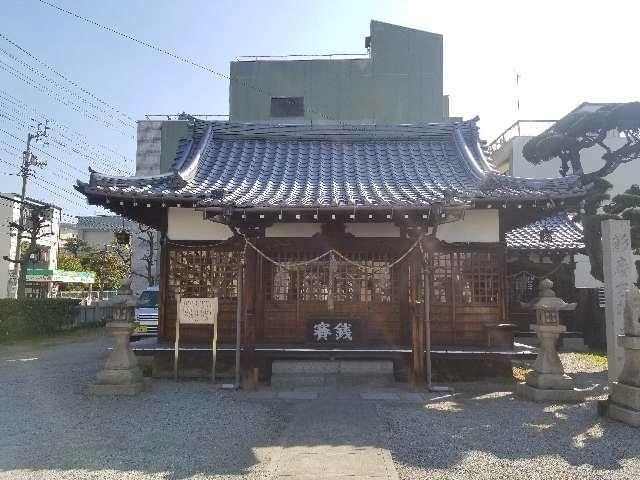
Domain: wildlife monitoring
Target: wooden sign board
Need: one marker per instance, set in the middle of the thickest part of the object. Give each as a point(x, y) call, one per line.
point(198, 311)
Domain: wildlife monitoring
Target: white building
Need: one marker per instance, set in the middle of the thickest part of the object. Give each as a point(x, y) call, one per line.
point(47, 245)
point(506, 152)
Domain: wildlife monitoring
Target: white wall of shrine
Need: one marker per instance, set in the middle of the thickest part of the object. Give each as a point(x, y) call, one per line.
point(481, 226)
point(287, 230)
point(373, 230)
point(477, 226)
point(188, 224)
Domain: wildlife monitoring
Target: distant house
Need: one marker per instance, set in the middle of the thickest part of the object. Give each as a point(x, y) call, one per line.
point(47, 255)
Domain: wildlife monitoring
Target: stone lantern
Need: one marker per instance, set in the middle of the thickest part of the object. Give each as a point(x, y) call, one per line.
point(547, 381)
point(121, 374)
point(624, 400)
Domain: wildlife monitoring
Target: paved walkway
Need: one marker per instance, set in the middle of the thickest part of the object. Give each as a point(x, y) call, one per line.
point(333, 440)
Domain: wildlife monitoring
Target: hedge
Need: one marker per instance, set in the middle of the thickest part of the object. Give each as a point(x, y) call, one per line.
point(30, 317)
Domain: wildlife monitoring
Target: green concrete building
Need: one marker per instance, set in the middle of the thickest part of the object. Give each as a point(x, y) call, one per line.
point(399, 80)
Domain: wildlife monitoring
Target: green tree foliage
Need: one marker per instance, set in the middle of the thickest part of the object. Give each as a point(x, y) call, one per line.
point(581, 130)
point(627, 206)
point(27, 317)
point(110, 267)
point(78, 247)
point(623, 206)
point(66, 261)
point(585, 129)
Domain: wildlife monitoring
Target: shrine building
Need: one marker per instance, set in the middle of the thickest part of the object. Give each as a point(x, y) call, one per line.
point(330, 235)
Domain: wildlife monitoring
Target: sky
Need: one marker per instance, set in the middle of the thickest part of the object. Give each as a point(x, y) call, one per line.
point(565, 52)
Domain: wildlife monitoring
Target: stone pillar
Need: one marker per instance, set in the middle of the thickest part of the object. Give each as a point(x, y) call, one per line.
point(548, 382)
point(624, 400)
point(121, 374)
point(618, 277)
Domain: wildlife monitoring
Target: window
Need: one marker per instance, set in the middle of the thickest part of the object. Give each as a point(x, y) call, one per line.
point(203, 272)
point(465, 278)
point(343, 281)
point(524, 287)
point(477, 278)
point(287, 106)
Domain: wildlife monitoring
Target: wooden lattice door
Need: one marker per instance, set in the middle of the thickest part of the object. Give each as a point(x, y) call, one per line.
point(360, 289)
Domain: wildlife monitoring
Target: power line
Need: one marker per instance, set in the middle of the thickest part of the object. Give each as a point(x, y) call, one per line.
point(175, 56)
point(24, 124)
point(57, 194)
point(56, 96)
point(84, 139)
point(70, 148)
point(18, 153)
point(63, 88)
point(43, 151)
point(49, 67)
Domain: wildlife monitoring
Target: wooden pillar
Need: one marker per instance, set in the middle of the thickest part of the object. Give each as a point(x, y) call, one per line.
point(402, 293)
point(418, 367)
point(248, 358)
point(260, 299)
point(503, 284)
point(164, 278)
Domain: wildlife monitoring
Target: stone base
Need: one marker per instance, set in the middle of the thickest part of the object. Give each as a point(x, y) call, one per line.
point(626, 396)
point(533, 394)
point(129, 376)
point(292, 374)
point(111, 390)
point(549, 381)
point(624, 414)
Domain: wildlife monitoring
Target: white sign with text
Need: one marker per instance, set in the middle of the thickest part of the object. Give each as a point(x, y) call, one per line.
point(198, 311)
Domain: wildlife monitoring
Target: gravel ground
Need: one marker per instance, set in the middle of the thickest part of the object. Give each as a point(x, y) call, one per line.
point(481, 432)
point(52, 428)
point(577, 363)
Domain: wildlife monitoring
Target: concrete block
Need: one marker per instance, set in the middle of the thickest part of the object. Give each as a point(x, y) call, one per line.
point(306, 366)
point(527, 392)
point(296, 380)
point(625, 395)
point(574, 344)
point(623, 414)
point(546, 381)
point(366, 380)
point(366, 366)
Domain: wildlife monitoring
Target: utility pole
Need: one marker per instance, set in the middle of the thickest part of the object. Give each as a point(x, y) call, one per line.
point(28, 160)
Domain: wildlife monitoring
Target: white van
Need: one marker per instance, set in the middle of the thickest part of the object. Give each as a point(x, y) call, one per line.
point(147, 313)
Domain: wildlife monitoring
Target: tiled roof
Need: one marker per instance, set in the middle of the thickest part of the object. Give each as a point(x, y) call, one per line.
point(565, 234)
point(304, 166)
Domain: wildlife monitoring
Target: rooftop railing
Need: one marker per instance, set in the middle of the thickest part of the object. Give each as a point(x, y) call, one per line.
point(182, 116)
point(520, 128)
point(326, 56)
